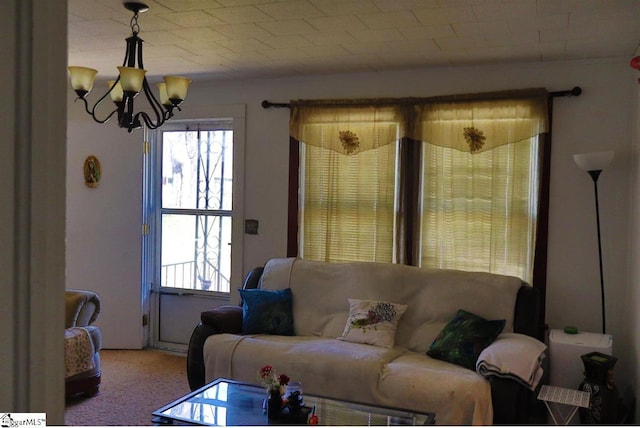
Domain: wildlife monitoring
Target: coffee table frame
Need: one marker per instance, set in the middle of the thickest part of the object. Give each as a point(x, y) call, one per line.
point(228, 402)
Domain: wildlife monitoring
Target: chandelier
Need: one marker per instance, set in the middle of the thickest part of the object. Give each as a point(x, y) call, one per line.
point(129, 83)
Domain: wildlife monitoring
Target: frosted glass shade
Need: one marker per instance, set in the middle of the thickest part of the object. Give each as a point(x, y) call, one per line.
point(596, 161)
point(177, 87)
point(82, 78)
point(131, 78)
point(116, 93)
point(164, 98)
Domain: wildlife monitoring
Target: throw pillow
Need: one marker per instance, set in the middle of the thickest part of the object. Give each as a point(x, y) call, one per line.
point(462, 340)
point(372, 322)
point(267, 312)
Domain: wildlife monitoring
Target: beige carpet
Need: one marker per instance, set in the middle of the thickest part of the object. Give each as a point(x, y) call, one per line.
point(134, 384)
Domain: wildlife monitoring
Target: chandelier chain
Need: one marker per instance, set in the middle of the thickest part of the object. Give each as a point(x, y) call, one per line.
point(135, 28)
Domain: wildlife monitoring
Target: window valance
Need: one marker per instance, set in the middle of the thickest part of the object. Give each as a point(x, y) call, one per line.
point(472, 123)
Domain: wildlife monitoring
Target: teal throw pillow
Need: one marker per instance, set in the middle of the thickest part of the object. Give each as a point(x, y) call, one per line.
point(267, 312)
point(462, 340)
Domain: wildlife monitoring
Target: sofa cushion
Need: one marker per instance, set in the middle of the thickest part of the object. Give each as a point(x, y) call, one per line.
point(416, 381)
point(267, 312)
point(433, 296)
point(462, 340)
point(372, 322)
point(391, 377)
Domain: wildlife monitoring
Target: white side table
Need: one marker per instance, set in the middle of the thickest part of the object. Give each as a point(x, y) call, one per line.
point(554, 396)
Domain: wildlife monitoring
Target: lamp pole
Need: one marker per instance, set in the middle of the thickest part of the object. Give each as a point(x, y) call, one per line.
point(594, 175)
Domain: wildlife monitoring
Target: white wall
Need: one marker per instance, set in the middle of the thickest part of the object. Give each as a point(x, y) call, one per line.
point(600, 119)
point(104, 224)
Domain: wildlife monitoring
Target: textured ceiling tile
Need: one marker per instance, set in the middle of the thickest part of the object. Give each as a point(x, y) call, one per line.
point(252, 45)
point(384, 34)
point(337, 37)
point(285, 42)
point(514, 12)
point(197, 18)
point(239, 14)
point(97, 27)
point(452, 15)
point(288, 27)
point(377, 35)
point(242, 31)
point(188, 5)
point(428, 32)
point(290, 9)
point(400, 20)
point(337, 23)
point(345, 7)
point(481, 28)
point(408, 5)
point(201, 33)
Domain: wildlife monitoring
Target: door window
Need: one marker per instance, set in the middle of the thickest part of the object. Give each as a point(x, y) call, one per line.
point(196, 207)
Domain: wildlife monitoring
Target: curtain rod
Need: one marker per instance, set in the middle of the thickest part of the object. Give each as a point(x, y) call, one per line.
point(575, 92)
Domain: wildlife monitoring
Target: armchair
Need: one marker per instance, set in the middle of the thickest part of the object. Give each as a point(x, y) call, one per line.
point(83, 342)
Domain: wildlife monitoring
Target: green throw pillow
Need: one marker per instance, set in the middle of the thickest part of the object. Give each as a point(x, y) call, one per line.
point(462, 340)
point(267, 312)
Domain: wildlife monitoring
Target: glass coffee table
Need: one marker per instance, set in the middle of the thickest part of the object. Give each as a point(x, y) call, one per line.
point(226, 402)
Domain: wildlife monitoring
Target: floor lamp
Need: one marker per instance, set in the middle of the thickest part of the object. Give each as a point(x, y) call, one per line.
point(594, 163)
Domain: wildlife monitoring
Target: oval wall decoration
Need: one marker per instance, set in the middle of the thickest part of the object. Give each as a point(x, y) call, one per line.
point(92, 171)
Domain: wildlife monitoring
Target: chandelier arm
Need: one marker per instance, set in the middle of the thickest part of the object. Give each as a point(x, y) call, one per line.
point(147, 120)
point(93, 109)
point(157, 107)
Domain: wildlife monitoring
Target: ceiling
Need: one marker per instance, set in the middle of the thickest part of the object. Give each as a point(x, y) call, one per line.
point(262, 38)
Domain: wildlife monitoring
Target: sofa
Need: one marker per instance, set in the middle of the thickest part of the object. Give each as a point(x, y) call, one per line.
point(378, 333)
point(83, 342)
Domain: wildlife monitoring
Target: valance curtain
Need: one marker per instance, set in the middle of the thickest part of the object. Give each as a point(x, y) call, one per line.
point(444, 182)
point(472, 123)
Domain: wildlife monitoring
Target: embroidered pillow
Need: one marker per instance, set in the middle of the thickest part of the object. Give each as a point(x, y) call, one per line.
point(372, 322)
point(267, 311)
point(462, 340)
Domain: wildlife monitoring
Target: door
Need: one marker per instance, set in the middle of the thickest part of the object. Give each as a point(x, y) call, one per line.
point(192, 214)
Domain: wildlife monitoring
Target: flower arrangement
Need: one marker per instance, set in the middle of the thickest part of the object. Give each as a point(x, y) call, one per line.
point(271, 380)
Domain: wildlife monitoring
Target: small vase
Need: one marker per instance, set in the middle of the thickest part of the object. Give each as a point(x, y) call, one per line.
point(274, 404)
point(598, 382)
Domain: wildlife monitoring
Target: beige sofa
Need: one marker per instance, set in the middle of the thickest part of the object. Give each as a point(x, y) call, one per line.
point(402, 375)
point(83, 342)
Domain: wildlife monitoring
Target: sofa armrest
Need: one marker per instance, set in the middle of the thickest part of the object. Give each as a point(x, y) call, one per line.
point(82, 308)
point(511, 402)
point(223, 319)
point(195, 360)
point(527, 312)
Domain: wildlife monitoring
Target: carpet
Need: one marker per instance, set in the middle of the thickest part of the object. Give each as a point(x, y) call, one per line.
point(134, 384)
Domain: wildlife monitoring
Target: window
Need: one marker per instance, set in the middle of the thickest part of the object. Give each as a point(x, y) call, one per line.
point(197, 178)
point(444, 183)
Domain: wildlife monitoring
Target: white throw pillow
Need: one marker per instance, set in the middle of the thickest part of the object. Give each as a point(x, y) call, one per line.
point(372, 322)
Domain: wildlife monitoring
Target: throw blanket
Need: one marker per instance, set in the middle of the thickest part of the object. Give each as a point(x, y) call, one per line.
point(514, 356)
point(78, 351)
